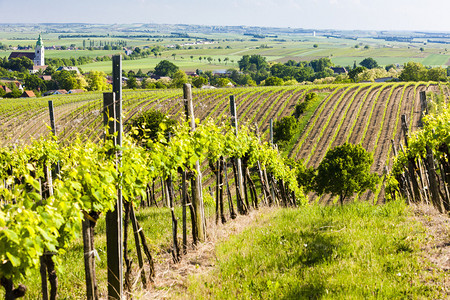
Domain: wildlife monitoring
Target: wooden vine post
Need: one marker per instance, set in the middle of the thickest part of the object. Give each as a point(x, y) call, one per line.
point(411, 165)
point(230, 200)
point(113, 119)
point(271, 130)
point(237, 165)
point(423, 106)
point(199, 234)
point(47, 265)
point(184, 201)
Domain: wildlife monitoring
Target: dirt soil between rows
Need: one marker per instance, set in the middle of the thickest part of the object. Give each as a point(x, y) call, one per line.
point(171, 279)
point(436, 249)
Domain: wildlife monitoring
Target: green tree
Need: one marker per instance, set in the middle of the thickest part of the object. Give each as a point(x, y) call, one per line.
point(413, 72)
point(389, 67)
point(160, 85)
point(319, 65)
point(284, 129)
point(273, 81)
point(33, 82)
point(132, 83)
point(253, 63)
point(345, 170)
point(20, 64)
point(199, 81)
point(148, 84)
point(69, 80)
point(49, 70)
point(178, 79)
point(437, 74)
point(165, 68)
point(355, 71)
point(15, 93)
point(369, 63)
point(97, 81)
point(222, 82)
point(140, 74)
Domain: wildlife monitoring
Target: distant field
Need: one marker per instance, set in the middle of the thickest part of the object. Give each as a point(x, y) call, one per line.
point(298, 47)
point(149, 63)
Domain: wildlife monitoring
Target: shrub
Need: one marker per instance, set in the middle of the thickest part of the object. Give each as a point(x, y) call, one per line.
point(303, 105)
point(345, 170)
point(285, 129)
point(273, 81)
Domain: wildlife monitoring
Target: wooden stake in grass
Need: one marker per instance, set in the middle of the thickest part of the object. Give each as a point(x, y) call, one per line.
point(88, 226)
point(127, 260)
point(184, 201)
point(175, 249)
point(47, 267)
point(196, 182)
point(237, 165)
point(230, 200)
point(222, 215)
point(136, 230)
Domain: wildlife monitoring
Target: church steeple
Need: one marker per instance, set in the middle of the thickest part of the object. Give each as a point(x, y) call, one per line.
point(39, 59)
point(39, 41)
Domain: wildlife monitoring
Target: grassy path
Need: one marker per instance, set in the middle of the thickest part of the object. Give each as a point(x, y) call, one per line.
point(358, 251)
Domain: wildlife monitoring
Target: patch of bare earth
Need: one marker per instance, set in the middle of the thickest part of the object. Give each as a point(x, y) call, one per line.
point(436, 248)
point(171, 278)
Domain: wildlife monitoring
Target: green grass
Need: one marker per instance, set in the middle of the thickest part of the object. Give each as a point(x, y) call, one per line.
point(357, 251)
point(435, 60)
point(149, 63)
point(302, 122)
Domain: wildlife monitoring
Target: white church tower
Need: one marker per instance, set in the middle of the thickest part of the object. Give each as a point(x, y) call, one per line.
point(39, 59)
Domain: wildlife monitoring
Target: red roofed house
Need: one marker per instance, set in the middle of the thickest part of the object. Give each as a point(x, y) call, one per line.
point(75, 91)
point(60, 92)
point(16, 83)
point(46, 77)
point(28, 94)
point(5, 88)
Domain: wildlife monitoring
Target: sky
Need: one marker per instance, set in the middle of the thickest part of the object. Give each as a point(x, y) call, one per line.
point(422, 15)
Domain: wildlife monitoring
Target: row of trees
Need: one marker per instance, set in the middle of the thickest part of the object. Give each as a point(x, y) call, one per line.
point(254, 70)
point(67, 80)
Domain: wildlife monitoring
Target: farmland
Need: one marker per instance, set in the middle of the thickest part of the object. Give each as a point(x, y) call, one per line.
point(357, 113)
point(277, 45)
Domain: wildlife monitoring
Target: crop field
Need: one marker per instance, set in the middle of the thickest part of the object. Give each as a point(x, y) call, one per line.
point(367, 114)
point(299, 47)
